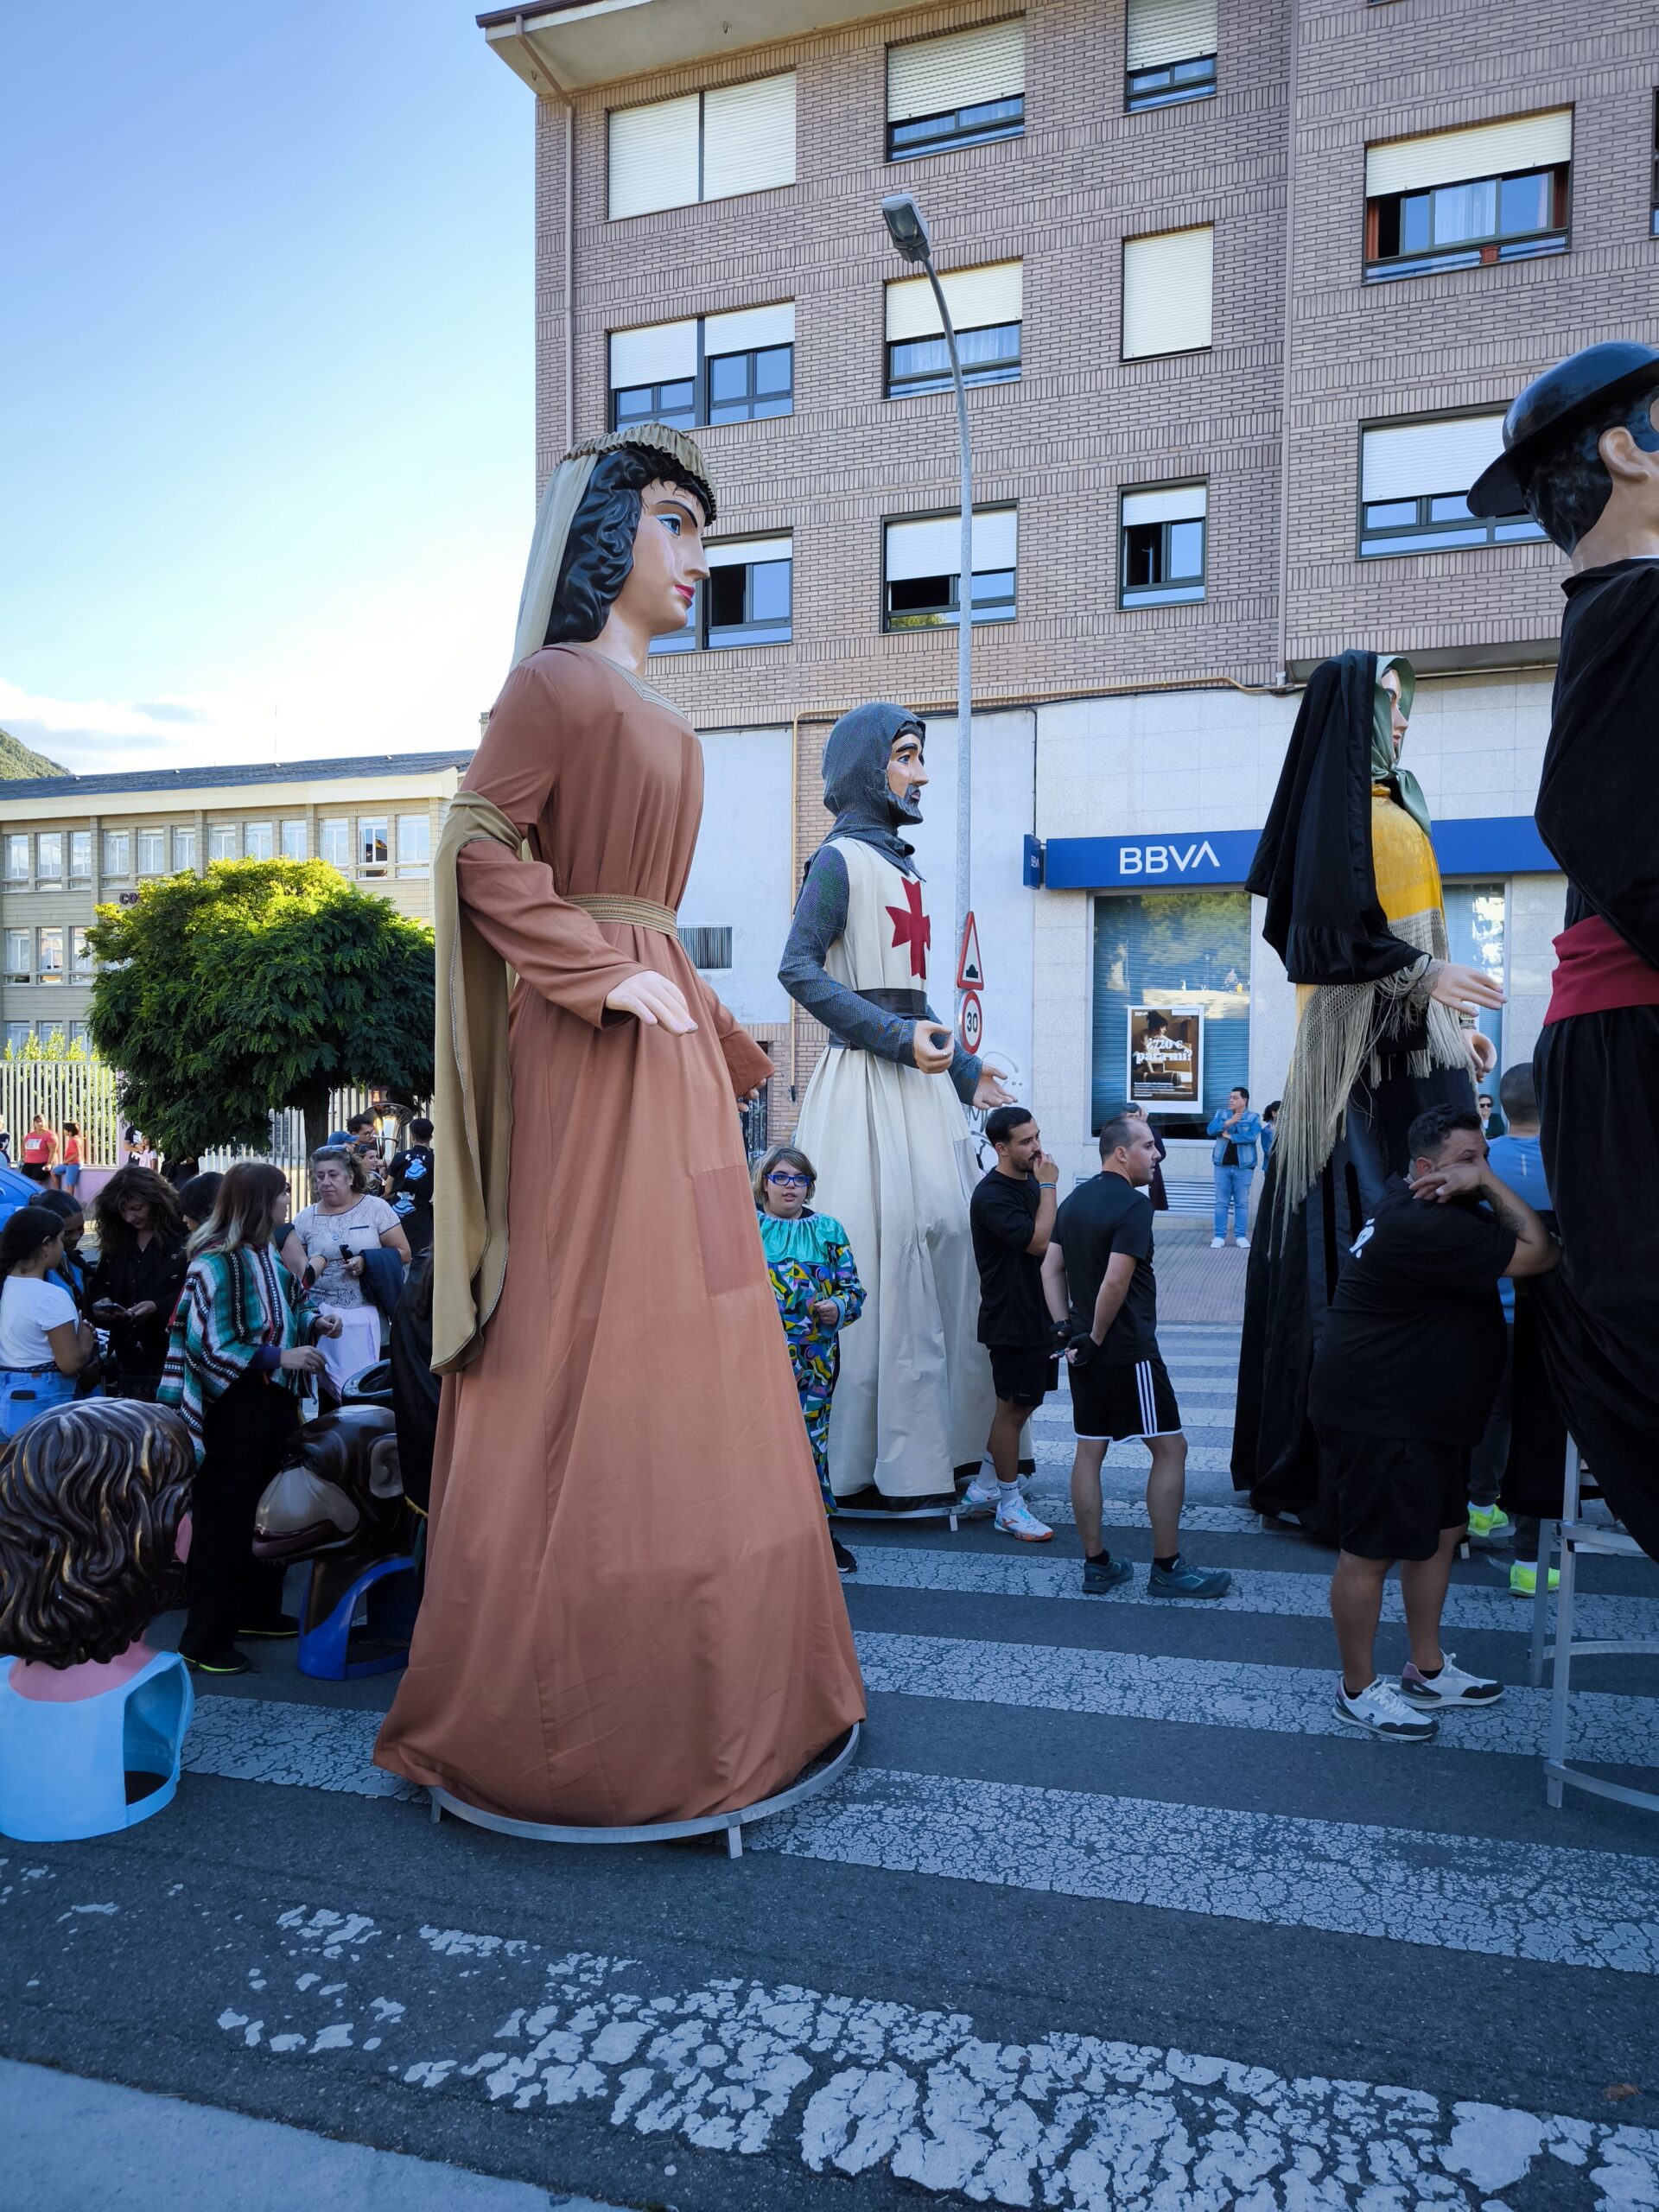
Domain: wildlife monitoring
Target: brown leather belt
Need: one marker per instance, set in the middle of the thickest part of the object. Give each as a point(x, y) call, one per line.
point(644, 913)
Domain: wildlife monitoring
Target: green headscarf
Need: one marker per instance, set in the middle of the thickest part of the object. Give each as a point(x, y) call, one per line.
point(1403, 786)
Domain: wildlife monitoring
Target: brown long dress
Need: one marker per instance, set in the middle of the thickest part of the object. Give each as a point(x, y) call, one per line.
point(632, 1611)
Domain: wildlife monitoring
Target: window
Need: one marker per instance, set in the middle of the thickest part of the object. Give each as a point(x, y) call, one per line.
point(1654, 219)
point(1412, 477)
point(707, 948)
point(294, 841)
point(80, 1036)
point(725, 368)
point(335, 844)
point(985, 306)
point(184, 851)
point(1188, 951)
point(1162, 559)
point(1166, 292)
point(1458, 199)
point(259, 841)
point(1172, 52)
point(702, 146)
point(118, 854)
point(223, 842)
point(961, 90)
point(17, 956)
point(152, 852)
point(80, 955)
point(414, 844)
point(18, 1034)
point(17, 859)
point(748, 600)
point(924, 570)
point(372, 852)
point(1474, 930)
point(48, 856)
point(81, 856)
point(50, 966)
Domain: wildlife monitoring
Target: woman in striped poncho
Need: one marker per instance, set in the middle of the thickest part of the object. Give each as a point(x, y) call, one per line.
point(238, 1355)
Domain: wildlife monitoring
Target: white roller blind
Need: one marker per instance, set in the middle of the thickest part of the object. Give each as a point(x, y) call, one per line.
point(1166, 292)
point(737, 551)
point(932, 548)
point(653, 156)
point(659, 354)
point(749, 328)
point(1409, 461)
point(930, 76)
point(1177, 503)
point(1525, 142)
point(748, 137)
point(978, 298)
point(1171, 30)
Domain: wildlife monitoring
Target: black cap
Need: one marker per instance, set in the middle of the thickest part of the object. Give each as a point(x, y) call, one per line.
point(1583, 385)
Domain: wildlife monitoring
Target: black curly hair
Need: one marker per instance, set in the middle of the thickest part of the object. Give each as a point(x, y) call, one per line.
point(599, 550)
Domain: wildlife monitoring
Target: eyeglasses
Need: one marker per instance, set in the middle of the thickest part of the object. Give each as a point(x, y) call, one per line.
point(782, 1175)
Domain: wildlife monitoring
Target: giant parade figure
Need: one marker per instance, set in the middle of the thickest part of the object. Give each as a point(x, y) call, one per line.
point(882, 1121)
point(631, 1612)
point(1581, 456)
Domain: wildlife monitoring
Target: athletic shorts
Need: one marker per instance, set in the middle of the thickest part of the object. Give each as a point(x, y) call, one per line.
point(1394, 1494)
point(1023, 1375)
point(1111, 1404)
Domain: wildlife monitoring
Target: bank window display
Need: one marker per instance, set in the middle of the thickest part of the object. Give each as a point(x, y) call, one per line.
point(1413, 487)
point(964, 89)
point(923, 569)
point(1475, 918)
point(1162, 555)
point(738, 367)
point(1168, 285)
point(48, 856)
point(1459, 199)
point(702, 146)
point(1172, 969)
point(1171, 52)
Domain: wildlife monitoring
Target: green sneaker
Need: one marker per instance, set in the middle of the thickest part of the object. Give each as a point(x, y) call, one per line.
point(1491, 1528)
point(1523, 1579)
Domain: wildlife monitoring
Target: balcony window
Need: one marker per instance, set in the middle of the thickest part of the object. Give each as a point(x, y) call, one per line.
point(719, 368)
point(1171, 53)
point(702, 146)
point(373, 849)
point(184, 852)
point(152, 852)
point(924, 570)
point(224, 841)
point(48, 857)
point(1465, 198)
point(50, 969)
point(707, 948)
point(964, 89)
point(414, 844)
point(986, 306)
point(1413, 478)
point(259, 841)
point(17, 859)
point(335, 844)
point(17, 956)
point(1162, 557)
point(81, 856)
point(117, 854)
point(81, 956)
point(1168, 280)
point(294, 841)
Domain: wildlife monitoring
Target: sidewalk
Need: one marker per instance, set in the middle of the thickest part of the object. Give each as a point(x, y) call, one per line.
point(1194, 1283)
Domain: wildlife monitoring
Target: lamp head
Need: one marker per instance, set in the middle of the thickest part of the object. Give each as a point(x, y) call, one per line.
point(906, 226)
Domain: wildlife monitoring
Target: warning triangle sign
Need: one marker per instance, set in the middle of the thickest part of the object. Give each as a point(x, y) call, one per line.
point(970, 969)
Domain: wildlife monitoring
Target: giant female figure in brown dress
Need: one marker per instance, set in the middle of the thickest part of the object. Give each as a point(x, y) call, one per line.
point(632, 1612)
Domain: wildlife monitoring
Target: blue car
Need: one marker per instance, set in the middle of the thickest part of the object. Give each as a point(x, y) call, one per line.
point(15, 1189)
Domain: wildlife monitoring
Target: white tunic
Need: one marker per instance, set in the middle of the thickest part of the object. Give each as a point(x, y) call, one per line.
point(896, 1165)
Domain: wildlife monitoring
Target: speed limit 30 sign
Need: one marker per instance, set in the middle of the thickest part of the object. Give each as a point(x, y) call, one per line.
point(971, 1024)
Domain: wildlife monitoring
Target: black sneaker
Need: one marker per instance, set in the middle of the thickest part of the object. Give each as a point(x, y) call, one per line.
point(1100, 1575)
point(845, 1562)
point(228, 1662)
point(282, 1629)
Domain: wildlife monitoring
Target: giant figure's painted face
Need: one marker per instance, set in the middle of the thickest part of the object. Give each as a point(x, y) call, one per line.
point(873, 771)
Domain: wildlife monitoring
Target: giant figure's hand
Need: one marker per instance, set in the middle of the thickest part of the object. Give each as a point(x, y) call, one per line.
point(1482, 1053)
point(931, 1056)
point(989, 1090)
point(655, 1001)
point(1465, 989)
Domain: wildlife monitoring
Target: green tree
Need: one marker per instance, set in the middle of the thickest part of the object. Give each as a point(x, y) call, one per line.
point(263, 985)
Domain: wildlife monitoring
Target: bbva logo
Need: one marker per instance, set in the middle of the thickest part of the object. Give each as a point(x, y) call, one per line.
point(1158, 859)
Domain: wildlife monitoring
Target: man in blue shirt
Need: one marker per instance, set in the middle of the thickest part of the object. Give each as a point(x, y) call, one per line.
point(1237, 1132)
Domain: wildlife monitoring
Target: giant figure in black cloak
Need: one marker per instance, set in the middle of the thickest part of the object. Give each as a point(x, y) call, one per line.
point(1385, 1029)
point(1581, 454)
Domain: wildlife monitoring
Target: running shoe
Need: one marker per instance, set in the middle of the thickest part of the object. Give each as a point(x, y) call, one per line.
point(1523, 1579)
point(282, 1629)
point(1184, 1581)
point(978, 1503)
point(1381, 1712)
point(1491, 1528)
point(1243, 1242)
point(1100, 1575)
point(845, 1562)
point(1450, 1687)
point(231, 1662)
point(1018, 1519)
point(1216, 1243)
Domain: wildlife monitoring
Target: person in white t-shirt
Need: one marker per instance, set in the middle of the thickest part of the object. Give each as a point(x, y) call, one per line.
point(44, 1343)
point(330, 1239)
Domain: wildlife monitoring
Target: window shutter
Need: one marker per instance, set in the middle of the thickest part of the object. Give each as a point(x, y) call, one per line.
point(653, 156)
point(1525, 142)
point(978, 298)
point(748, 137)
point(1167, 289)
point(930, 76)
point(1162, 31)
point(748, 329)
point(1179, 503)
point(1410, 461)
point(661, 352)
point(996, 539)
point(738, 552)
point(932, 548)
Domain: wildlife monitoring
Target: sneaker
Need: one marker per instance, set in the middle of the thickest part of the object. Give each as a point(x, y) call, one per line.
point(1243, 1242)
point(1523, 1579)
point(1184, 1581)
point(1018, 1519)
point(1450, 1687)
point(1383, 1713)
point(845, 1562)
point(1215, 1243)
point(282, 1629)
point(978, 1503)
point(1491, 1528)
point(229, 1661)
point(1100, 1575)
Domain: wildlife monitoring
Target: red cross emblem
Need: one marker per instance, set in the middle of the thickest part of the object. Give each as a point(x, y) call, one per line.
point(911, 926)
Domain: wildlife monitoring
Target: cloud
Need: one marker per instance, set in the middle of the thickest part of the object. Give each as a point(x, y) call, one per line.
point(168, 710)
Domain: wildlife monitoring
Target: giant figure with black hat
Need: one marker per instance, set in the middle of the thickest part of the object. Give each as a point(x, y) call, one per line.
point(1581, 456)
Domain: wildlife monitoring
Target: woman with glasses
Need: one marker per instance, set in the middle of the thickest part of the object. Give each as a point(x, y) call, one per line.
point(816, 1284)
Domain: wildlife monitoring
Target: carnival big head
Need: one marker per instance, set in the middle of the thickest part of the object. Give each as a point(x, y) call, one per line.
point(1581, 454)
point(873, 772)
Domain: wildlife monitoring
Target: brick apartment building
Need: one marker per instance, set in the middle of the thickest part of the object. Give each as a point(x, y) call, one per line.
point(1245, 286)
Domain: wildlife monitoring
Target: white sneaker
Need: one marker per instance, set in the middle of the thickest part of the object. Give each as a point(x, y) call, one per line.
point(1019, 1520)
point(975, 1503)
point(1450, 1687)
point(1383, 1713)
point(1216, 1243)
point(1243, 1242)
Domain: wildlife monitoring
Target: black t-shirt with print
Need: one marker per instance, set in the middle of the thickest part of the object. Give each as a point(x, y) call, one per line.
point(1414, 1344)
point(1002, 1214)
point(411, 1173)
point(1105, 1216)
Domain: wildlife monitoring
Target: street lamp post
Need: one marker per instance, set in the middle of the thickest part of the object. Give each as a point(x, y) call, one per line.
point(907, 226)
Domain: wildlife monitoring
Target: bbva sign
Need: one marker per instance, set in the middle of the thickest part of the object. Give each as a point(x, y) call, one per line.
point(1168, 859)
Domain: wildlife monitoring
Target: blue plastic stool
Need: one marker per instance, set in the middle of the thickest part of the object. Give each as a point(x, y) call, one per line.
point(98, 1764)
point(330, 1651)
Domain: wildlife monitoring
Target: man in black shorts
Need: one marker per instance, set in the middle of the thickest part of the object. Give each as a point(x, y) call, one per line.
point(1012, 1217)
point(1098, 1283)
point(1407, 1365)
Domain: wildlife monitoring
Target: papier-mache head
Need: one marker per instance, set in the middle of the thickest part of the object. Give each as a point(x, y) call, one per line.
point(1553, 466)
point(857, 755)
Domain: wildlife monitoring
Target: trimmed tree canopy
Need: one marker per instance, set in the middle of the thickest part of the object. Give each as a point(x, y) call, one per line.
point(264, 985)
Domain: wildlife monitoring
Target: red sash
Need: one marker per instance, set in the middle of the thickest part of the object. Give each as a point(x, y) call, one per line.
point(1596, 972)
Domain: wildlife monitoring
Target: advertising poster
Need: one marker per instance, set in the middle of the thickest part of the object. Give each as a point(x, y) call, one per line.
point(1166, 1058)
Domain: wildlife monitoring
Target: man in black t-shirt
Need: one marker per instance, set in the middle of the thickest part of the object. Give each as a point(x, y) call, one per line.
point(1012, 1215)
point(1403, 1381)
point(1098, 1284)
point(409, 1185)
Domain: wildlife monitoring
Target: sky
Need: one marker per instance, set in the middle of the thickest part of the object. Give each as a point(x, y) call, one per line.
point(266, 454)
